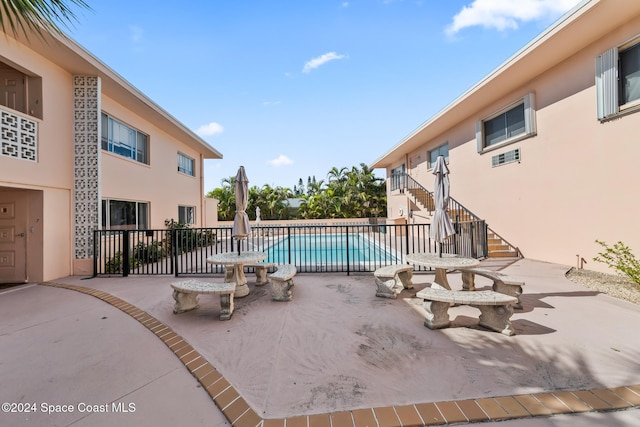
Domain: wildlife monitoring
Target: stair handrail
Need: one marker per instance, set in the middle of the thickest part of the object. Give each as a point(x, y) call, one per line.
point(454, 205)
point(411, 183)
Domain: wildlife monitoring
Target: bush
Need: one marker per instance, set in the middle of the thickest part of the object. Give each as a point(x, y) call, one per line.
point(186, 238)
point(620, 258)
point(153, 252)
point(114, 265)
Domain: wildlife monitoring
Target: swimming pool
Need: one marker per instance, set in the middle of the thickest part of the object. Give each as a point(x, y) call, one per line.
point(326, 250)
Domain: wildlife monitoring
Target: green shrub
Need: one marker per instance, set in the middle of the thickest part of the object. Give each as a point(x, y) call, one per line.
point(620, 258)
point(114, 265)
point(186, 238)
point(153, 252)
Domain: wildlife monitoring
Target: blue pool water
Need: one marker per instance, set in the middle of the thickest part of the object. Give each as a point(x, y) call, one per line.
point(327, 249)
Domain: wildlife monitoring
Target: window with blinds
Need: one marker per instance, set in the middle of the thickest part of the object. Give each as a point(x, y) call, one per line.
point(511, 124)
point(618, 80)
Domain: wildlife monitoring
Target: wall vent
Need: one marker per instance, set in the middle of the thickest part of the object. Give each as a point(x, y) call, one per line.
point(504, 158)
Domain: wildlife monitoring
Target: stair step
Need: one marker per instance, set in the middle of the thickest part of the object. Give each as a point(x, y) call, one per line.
point(503, 254)
point(498, 247)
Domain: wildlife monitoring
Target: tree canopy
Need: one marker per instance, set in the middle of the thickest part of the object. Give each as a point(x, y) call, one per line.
point(346, 193)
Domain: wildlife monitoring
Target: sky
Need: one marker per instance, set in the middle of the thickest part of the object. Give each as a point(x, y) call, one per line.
point(290, 89)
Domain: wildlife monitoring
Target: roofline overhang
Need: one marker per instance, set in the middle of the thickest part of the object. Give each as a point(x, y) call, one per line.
point(581, 26)
point(69, 55)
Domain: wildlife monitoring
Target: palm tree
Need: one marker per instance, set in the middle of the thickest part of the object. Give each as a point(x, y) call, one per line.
point(336, 174)
point(38, 16)
point(226, 199)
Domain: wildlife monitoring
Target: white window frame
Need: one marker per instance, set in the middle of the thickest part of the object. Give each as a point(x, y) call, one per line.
point(187, 214)
point(609, 83)
point(186, 165)
point(138, 147)
point(438, 151)
point(528, 101)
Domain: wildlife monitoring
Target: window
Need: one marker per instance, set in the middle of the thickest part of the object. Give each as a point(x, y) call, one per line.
point(397, 178)
point(186, 165)
point(124, 215)
point(618, 79)
point(187, 214)
point(512, 124)
point(20, 91)
point(442, 150)
point(120, 139)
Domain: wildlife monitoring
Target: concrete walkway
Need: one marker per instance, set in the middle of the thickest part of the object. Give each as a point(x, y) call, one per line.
point(111, 351)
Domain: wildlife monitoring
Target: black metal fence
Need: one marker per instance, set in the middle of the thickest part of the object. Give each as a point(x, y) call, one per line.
point(311, 248)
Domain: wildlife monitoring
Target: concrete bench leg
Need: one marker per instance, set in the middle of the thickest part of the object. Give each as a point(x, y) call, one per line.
point(281, 290)
point(229, 275)
point(437, 316)
point(511, 290)
point(405, 279)
point(226, 306)
point(261, 276)
point(387, 288)
point(496, 318)
point(184, 302)
point(468, 281)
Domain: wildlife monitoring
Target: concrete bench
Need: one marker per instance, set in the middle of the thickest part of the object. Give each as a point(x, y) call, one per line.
point(282, 282)
point(261, 269)
point(495, 308)
point(186, 296)
point(392, 279)
point(502, 283)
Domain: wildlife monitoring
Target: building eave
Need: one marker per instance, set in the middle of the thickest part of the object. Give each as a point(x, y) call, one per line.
point(69, 55)
point(584, 24)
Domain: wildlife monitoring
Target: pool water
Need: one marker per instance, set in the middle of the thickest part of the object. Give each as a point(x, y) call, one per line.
point(326, 249)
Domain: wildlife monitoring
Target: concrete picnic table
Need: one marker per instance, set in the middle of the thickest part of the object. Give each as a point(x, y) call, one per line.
point(441, 263)
point(237, 261)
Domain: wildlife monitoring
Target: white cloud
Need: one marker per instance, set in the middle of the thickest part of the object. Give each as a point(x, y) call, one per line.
point(281, 160)
point(506, 14)
point(210, 129)
point(320, 60)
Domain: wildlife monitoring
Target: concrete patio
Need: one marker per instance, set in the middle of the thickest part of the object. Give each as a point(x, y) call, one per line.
point(112, 350)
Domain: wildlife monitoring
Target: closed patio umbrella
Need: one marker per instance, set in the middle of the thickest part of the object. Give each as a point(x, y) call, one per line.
point(241, 227)
point(441, 226)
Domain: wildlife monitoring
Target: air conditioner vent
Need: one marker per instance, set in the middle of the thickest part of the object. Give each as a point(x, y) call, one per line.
point(504, 158)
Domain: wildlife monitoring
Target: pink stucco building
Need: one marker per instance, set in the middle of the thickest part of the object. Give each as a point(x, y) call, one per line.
point(82, 149)
point(546, 147)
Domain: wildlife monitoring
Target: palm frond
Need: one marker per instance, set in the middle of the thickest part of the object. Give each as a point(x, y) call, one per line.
point(38, 16)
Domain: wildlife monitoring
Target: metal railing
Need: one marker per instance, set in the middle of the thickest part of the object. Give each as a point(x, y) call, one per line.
point(330, 248)
point(457, 211)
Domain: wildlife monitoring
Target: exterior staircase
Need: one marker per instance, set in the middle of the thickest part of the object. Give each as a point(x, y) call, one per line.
point(500, 248)
point(497, 246)
point(422, 197)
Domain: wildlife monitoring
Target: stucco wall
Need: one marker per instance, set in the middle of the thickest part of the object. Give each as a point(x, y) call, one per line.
point(158, 183)
point(576, 179)
point(49, 181)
